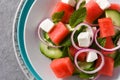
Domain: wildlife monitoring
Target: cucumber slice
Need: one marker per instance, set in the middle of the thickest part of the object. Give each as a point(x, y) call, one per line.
point(114, 15)
point(50, 52)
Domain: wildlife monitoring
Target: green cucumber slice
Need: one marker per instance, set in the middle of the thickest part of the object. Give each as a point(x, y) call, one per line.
point(114, 15)
point(50, 52)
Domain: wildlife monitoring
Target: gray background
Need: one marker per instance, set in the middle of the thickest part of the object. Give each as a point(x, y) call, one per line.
point(9, 68)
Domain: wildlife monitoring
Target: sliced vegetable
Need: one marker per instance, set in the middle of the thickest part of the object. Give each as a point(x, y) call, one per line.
point(58, 33)
point(73, 51)
point(106, 27)
point(62, 67)
point(105, 49)
point(114, 15)
point(68, 10)
point(76, 28)
point(50, 52)
point(42, 35)
point(91, 71)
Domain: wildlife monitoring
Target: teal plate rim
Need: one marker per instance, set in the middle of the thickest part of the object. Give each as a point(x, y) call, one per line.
point(18, 39)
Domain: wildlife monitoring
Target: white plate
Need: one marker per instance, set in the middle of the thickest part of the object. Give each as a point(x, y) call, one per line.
point(26, 41)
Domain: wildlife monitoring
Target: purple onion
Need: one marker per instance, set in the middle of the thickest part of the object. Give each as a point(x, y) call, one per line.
point(87, 50)
point(106, 49)
point(76, 28)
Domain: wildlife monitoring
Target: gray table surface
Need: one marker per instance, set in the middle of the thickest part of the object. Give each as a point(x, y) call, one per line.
point(9, 68)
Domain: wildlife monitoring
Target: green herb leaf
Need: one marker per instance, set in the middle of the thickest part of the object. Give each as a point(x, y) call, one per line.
point(82, 4)
point(117, 59)
point(77, 17)
point(101, 41)
point(116, 38)
point(56, 17)
point(82, 29)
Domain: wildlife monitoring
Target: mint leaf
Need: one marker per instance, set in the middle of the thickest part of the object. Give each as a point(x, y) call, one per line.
point(116, 38)
point(77, 17)
point(117, 59)
point(56, 17)
point(81, 29)
point(82, 4)
point(101, 41)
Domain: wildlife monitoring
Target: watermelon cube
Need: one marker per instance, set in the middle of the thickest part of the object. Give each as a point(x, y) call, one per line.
point(58, 33)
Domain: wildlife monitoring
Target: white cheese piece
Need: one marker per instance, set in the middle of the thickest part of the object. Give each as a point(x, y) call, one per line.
point(70, 2)
point(87, 1)
point(47, 25)
point(103, 4)
point(92, 56)
point(84, 39)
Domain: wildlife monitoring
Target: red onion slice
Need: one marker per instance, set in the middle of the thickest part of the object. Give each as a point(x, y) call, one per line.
point(96, 77)
point(91, 24)
point(75, 29)
point(106, 49)
point(87, 50)
point(40, 35)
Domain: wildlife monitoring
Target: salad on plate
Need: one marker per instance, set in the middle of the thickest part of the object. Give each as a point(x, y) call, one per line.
point(82, 38)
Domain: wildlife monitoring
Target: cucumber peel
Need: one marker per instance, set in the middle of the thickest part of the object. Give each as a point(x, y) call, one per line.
point(114, 15)
point(50, 52)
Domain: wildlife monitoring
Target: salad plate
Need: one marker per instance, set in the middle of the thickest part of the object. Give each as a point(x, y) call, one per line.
point(27, 44)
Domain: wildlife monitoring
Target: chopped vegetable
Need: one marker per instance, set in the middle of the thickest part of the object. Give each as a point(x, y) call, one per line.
point(73, 51)
point(77, 17)
point(114, 15)
point(50, 52)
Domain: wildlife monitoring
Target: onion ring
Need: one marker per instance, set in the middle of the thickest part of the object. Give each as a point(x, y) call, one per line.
point(40, 35)
point(106, 49)
point(86, 50)
point(75, 29)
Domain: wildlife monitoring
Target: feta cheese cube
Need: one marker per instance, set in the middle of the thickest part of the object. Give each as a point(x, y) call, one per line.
point(87, 1)
point(103, 4)
point(92, 56)
point(84, 39)
point(70, 2)
point(47, 25)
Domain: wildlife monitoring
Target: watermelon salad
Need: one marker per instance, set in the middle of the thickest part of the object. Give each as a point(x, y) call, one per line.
point(82, 38)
